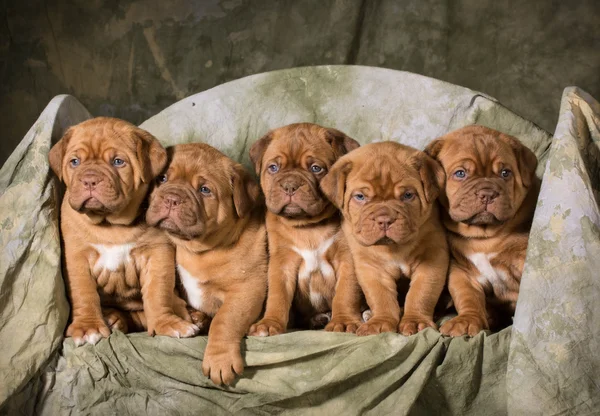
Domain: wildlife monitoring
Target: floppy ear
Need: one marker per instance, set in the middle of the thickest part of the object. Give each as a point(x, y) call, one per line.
point(526, 160)
point(258, 149)
point(432, 176)
point(245, 190)
point(57, 153)
point(340, 142)
point(433, 148)
point(151, 154)
point(333, 185)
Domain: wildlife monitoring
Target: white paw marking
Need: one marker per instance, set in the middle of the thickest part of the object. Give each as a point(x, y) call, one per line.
point(314, 260)
point(366, 315)
point(112, 256)
point(78, 341)
point(193, 290)
point(93, 338)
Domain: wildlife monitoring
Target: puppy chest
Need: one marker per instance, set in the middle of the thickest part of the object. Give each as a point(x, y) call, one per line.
point(316, 275)
point(493, 279)
point(199, 292)
point(114, 269)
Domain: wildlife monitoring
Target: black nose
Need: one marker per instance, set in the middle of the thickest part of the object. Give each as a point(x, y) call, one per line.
point(384, 221)
point(171, 200)
point(290, 187)
point(90, 181)
point(487, 195)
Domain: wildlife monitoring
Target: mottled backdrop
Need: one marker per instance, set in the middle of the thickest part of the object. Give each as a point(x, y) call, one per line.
point(133, 58)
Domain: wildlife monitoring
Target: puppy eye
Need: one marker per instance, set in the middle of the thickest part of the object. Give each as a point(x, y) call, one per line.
point(505, 173)
point(205, 190)
point(161, 179)
point(75, 162)
point(273, 168)
point(407, 196)
point(460, 174)
point(359, 197)
point(316, 169)
point(118, 162)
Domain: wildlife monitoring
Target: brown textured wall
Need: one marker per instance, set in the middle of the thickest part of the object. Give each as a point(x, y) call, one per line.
point(133, 58)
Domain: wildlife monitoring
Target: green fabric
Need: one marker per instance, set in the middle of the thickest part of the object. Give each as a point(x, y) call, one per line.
point(307, 372)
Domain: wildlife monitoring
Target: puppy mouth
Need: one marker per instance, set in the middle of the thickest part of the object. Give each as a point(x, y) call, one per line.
point(292, 210)
point(384, 241)
point(92, 204)
point(483, 218)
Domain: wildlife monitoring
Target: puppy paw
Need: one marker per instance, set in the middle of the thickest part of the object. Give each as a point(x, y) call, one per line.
point(181, 309)
point(116, 320)
point(343, 324)
point(87, 330)
point(376, 326)
point(411, 325)
point(266, 327)
point(173, 326)
point(464, 325)
point(222, 365)
point(200, 319)
point(319, 320)
point(366, 315)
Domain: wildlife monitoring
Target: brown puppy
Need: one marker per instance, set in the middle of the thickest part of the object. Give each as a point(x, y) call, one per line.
point(387, 193)
point(208, 206)
point(308, 255)
point(489, 199)
point(115, 265)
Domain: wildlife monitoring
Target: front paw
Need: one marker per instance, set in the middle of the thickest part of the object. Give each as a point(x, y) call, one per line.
point(173, 326)
point(266, 327)
point(200, 319)
point(84, 330)
point(376, 326)
point(320, 320)
point(116, 320)
point(222, 364)
point(464, 325)
point(344, 324)
point(411, 325)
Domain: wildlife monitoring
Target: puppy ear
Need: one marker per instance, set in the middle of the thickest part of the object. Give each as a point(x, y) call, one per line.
point(526, 160)
point(432, 176)
point(258, 149)
point(57, 153)
point(340, 142)
point(433, 148)
point(333, 185)
point(245, 190)
point(151, 154)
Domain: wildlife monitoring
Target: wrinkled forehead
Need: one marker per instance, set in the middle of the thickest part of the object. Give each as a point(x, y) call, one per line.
point(297, 143)
point(100, 137)
point(384, 173)
point(189, 162)
point(481, 150)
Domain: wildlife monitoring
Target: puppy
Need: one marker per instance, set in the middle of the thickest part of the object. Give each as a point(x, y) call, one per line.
point(387, 193)
point(115, 265)
point(489, 200)
point(308, 255)
point(208, 205)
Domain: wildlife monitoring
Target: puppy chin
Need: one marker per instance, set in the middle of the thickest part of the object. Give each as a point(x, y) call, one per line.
point(169, 225)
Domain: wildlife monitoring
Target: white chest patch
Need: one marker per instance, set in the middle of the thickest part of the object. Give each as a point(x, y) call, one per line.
point(314, 260)
point(488, 273)
point(192, 288)
point(403, 267)
point(112, 256)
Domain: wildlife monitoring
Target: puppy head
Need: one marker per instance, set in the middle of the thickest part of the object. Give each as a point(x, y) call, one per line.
point(291, 161)
point(488, 174)
point(201, 193)
point(107, 164)
point(386, 191)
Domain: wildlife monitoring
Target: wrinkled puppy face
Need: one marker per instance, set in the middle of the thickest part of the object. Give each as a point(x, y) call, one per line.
point(201, 192)
point(107, 165)
point(488, 174)
point(291, 161)
point(385, 190)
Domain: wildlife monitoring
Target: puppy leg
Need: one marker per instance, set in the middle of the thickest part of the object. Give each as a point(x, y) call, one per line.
point(222, 358)
point(158, 284)
point(282, 277)
point(382, 296)
point(88, 324)
point(116, 319)
point(345, 313)
point(426, 285)
point(469, 299)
